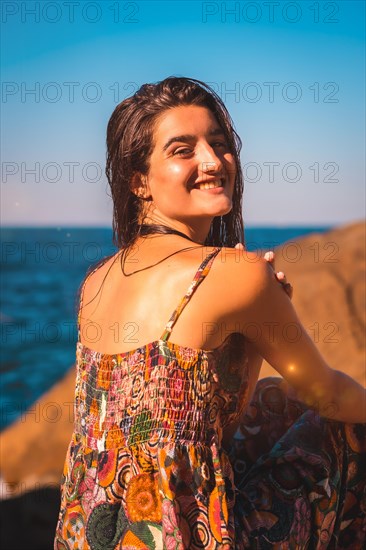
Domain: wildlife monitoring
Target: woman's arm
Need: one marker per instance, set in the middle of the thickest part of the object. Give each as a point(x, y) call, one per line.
point(281, 339)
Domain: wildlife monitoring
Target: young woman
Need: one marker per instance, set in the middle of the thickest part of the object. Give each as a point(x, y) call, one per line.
point(172, 333)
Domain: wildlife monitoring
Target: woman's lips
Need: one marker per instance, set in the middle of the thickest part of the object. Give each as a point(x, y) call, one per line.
point(217, 183)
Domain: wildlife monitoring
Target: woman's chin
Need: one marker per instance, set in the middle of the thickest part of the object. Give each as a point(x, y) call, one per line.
point(224, 210)
point(218, 209)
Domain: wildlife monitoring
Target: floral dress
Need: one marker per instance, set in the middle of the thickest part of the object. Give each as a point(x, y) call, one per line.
point(146, 468)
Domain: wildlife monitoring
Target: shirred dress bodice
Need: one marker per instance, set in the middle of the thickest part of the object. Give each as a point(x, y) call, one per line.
point(160, 390)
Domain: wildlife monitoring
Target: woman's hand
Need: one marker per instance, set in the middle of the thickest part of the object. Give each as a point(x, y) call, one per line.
point(280, 276)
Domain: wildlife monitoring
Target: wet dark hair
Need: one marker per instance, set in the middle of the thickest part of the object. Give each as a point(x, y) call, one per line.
point(130, 144)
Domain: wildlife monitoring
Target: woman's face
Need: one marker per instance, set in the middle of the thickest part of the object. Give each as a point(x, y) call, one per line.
point(192, 171)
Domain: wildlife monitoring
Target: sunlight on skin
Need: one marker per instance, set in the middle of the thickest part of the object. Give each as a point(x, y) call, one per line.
point(317, 391)
point(316, 395)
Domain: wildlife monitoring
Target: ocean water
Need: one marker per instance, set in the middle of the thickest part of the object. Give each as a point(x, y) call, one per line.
point(42, 269)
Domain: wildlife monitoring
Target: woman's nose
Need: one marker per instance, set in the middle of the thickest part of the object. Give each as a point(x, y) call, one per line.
point(209, 160)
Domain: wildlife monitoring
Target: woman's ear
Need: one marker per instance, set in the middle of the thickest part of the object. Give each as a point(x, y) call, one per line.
point(139, 186)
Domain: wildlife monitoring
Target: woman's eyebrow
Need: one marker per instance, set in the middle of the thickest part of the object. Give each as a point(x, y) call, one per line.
point(190, 137)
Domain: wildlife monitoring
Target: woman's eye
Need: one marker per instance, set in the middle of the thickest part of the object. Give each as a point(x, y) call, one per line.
point(182, 151)
point(188, 150)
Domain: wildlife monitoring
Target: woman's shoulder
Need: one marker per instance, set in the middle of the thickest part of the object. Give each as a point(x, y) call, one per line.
point(95, 275)
point(239, 262)
point(245, 274)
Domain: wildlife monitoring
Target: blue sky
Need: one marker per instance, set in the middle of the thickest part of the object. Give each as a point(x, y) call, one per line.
point(292, 75)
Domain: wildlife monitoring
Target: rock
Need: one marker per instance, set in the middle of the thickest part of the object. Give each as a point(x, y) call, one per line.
point(33, 449)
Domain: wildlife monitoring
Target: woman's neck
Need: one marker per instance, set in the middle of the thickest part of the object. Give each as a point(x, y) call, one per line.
point(152, 225)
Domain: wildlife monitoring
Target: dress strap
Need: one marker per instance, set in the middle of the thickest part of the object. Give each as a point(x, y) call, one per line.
point(201, 273)
point(89, 273)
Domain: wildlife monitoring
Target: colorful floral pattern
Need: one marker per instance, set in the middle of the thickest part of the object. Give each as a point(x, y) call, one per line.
point(300, 478)
point(146, 467)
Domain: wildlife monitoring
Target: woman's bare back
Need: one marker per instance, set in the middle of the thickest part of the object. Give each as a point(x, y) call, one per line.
point(131, 311)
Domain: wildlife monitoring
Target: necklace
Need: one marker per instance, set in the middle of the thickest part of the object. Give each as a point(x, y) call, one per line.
point(150, 229)
point(147, 229)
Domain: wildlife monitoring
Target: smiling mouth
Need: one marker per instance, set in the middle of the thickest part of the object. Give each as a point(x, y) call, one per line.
point(211, 185)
